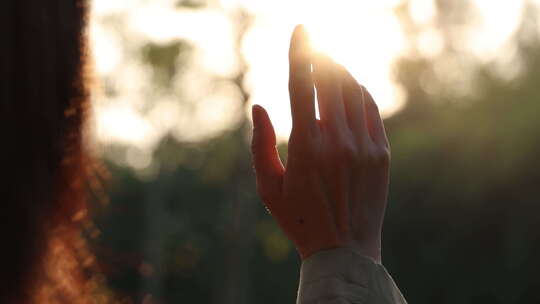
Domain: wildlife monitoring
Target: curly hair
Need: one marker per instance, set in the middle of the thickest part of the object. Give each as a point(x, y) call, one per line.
point(44, 103)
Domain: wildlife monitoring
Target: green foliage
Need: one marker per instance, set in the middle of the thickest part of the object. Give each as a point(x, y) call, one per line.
point(163, 58)
point(191, 3)
point(462, 225)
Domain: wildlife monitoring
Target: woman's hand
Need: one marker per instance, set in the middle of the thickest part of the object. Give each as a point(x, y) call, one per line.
point(333, 190)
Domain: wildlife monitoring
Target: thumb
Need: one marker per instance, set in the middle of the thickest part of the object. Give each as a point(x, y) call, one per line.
point(268, 167)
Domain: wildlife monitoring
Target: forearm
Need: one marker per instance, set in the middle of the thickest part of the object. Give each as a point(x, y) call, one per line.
point(341, 276)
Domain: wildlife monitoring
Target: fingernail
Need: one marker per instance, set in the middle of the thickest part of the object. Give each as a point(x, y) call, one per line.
point(255, 111)
point(299, 37)
point(299, 30)
point(256, 107)
point(295, 37)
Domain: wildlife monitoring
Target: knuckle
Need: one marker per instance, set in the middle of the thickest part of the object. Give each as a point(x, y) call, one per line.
point(302, 160)
point(300, 135)
point(379, 156)
point(302, 149)
point(349, 153)
point(361, 159)
point(345, 153)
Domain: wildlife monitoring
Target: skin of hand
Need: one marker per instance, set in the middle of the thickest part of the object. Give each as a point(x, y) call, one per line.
point(333, 191)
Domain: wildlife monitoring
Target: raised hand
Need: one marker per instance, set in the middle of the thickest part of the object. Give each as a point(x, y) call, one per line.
point(333, 191)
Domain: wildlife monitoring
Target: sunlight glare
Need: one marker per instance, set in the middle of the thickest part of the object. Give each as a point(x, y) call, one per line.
point(105, 49)
point(363, 36)
point(497, 22)
point(122, 124)
point(211, 32)
point(422, 11)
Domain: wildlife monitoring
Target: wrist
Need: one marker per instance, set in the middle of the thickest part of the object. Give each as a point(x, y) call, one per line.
point(371, 250)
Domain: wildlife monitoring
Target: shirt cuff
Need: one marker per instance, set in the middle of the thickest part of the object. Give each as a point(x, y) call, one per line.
point(341, 275)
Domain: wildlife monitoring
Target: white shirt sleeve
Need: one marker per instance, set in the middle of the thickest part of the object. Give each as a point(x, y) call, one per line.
point(342, 276)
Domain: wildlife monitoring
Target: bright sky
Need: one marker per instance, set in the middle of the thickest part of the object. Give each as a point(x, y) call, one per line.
point(365, 36)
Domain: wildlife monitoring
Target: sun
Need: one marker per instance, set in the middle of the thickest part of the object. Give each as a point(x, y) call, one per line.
point(363, 36)
point(366, 40)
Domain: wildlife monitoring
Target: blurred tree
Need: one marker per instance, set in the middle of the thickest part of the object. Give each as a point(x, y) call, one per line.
point(462, 226)
point(187, 232)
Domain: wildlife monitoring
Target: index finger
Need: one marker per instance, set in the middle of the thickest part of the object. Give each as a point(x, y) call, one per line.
point(301, 90)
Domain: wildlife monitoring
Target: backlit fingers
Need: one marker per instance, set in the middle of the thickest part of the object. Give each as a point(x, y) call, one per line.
point(301, 89)
point(353, 97)
point(329, 95)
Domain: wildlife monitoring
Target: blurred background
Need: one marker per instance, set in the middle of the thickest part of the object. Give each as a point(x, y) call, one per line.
point(457, 82)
